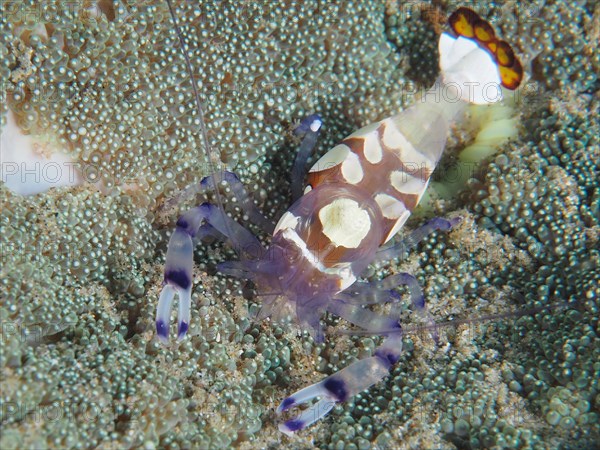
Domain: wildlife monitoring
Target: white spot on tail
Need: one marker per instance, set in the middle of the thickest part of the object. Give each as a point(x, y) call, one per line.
point(394, 139)
point(352, 169)
point(344, 222)
point(332, 158)
point(364, 131)
point(372, 148)
point(406, 183)
point(391, 207)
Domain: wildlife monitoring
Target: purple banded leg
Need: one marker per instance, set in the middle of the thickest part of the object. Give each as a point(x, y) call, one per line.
point(163, 312)
point(309, 128)
point(416, 297)
point(207, 230)
point(244, 242)
point(179, 263)
point(209, 183)
point(178, 280)
point(348, 303)
point(341, 386)
point(178, 274)
point(246, 202)
point(401, 249)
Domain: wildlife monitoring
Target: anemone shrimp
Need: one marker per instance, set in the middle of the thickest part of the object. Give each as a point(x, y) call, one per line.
point(355, 200)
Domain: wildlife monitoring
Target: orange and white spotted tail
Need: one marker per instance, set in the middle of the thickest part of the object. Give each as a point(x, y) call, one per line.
point(394, 158)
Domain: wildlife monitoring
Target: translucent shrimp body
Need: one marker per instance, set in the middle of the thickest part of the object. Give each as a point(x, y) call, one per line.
point(356, 198)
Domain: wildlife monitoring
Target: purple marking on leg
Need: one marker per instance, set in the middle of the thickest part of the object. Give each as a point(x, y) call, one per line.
point(455, 221)
point(387, 356)
point(337, 388)
point(183, 328)
point(294, 425)
point(287, 404)
point(162, 329)
point(420, 301)
point(182, 223)
point(395, 295)
point(178, 278)
point(206, 207)
point(439, 223)
point(230, 177)
point(204, 181)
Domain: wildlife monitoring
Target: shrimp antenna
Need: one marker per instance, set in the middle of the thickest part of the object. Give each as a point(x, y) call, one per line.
point(455, 323)
point(208, 153)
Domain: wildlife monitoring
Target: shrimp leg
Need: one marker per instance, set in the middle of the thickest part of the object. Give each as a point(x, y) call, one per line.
point(201, 220)
point(401, 249)
point(309, 128)
point(342, 385)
